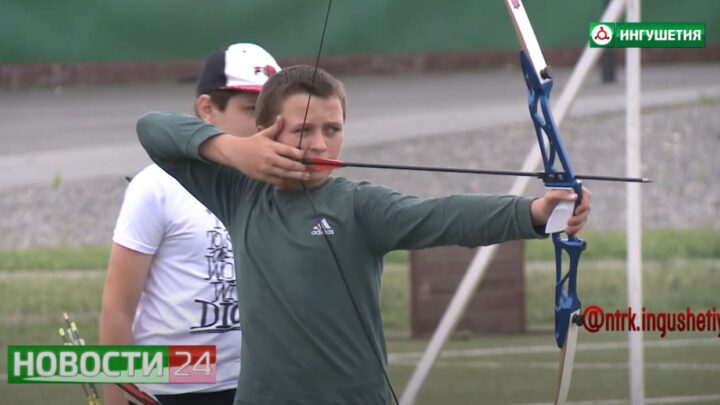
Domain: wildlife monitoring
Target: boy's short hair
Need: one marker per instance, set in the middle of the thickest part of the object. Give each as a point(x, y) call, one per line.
point(221, 98)
point(299, 79)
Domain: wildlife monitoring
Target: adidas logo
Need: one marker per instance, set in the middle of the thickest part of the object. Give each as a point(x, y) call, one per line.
point(323, 227)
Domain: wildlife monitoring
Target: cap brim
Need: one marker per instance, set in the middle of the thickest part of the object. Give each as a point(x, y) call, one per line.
point(243, 88)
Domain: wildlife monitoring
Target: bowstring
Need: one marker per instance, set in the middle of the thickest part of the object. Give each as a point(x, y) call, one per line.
point(346, 284)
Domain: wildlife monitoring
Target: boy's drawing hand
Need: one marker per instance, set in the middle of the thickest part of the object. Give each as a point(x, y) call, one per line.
point(543, 207)
point(259, 156)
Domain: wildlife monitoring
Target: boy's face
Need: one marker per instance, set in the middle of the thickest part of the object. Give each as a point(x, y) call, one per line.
point(238, 118)
point(323, 133)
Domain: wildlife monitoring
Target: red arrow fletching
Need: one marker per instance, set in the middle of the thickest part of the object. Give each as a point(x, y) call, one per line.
point(322, 164)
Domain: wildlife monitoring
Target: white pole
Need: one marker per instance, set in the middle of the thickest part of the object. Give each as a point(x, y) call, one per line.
point(634, 214)
point(482, 259)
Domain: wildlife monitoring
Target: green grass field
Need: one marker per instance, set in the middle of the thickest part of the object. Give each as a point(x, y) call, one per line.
point(682, 368)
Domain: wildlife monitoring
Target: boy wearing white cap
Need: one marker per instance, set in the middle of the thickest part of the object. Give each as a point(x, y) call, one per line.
point(171, 277)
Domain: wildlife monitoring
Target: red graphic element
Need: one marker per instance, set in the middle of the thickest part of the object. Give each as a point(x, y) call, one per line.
point(515, 3)
point(266, 70)
point(192, 364)
point(589, 316)
point(605, 36)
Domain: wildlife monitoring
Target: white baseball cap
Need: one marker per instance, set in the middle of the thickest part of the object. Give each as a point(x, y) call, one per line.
point(242, 66)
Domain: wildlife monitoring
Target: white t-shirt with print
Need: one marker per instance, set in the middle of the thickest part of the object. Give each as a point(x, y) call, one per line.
point(190, 296)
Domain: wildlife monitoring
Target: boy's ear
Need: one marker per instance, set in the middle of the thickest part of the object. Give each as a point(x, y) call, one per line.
point(204, 107)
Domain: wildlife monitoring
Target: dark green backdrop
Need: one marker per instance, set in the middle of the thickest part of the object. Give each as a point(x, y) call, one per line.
point(136, 30)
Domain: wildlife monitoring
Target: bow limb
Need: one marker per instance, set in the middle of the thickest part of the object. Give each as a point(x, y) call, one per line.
point(567, 358)
point(558, 174)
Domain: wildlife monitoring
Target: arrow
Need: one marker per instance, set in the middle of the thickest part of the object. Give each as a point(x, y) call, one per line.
point(322, 164)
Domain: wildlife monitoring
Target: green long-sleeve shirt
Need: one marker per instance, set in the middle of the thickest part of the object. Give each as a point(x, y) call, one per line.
point(302, 340)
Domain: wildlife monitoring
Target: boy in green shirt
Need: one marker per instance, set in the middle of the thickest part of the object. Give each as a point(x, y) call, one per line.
point(309, 254)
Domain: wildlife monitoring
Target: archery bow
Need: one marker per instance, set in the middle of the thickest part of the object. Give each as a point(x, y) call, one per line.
point(538, 79)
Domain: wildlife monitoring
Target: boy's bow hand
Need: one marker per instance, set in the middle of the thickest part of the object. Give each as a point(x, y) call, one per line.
point(542, 208)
